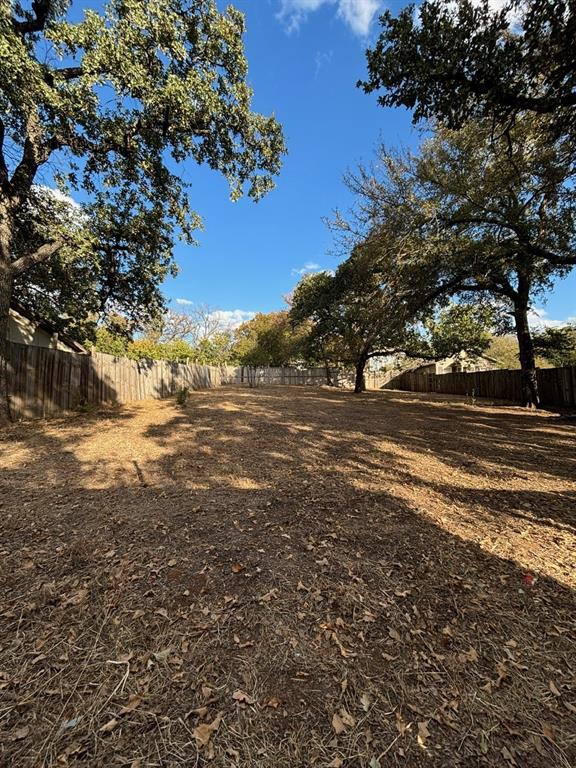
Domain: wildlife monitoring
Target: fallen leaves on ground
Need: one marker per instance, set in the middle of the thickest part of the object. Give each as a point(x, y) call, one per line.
point(203, 732)
point(306, 578)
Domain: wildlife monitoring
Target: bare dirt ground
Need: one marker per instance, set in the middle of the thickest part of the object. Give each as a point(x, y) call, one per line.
point(289, 577)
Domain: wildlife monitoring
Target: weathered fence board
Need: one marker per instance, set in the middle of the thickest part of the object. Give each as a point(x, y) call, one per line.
point(557, 386)
point(46, 382)
point(281, 376)
point(311, 377)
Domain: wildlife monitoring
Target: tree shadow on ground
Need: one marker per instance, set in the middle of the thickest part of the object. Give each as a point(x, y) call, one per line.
point(507, 446)
point(508, 437)
point(262, 543)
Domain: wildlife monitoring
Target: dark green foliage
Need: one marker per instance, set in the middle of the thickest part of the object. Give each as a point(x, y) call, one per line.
point(453, 62)
point(358, 313)
point(557, 345)
point(111, 262)
point(460, 328)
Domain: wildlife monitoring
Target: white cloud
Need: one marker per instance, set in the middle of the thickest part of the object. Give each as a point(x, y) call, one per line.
point(294, 12)
point(514, 15)
point(67, 210)
point(232, 318)
point(309, 267)
point(227, 319)
point(358, 14)
point(538, 319)
point(58, 195)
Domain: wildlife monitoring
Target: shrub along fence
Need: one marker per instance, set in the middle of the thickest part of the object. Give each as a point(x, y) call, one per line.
point(557, 386)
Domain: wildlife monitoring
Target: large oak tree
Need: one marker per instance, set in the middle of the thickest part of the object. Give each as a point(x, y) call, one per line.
point(360, 312)
point(112, 103)
point(477, 220)
point(456, 61)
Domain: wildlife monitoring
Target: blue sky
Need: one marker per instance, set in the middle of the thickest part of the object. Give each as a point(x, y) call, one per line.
point(305, 57)
point(303, 67)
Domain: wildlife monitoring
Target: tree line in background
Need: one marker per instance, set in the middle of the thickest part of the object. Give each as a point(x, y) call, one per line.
point(201, 335)
point(313, 332)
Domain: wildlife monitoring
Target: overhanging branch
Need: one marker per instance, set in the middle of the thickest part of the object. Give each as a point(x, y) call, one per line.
point(553, 258)
point(416, 355)
point(24, 263)
point(512, 101)
point(3, 167)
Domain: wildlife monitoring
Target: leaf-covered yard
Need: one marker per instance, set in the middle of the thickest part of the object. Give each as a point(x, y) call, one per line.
point(289, 577)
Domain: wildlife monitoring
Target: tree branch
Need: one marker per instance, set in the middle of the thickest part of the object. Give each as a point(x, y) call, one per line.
point(480, 220)
point(553, 258)
point(34, 154)
point(23, 176)
point(41, 9)
point(533, 248)
point(24, 263)
point(71, 73)
point(51, 76)
point(515, 101)
point(416, 355)
point(448, 288)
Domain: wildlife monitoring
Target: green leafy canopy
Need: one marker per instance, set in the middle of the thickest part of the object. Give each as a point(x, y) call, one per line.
point(452, 62)
point(114, 104)
point(269, 339)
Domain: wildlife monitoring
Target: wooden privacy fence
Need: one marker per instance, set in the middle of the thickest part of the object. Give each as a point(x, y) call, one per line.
point(45, 382)
point(289, 376)
point(311, 377)
point(557, 386)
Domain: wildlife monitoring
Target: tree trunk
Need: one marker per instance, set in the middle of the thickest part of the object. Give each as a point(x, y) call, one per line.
point(530, 395)
point(5, 296)
point(359, 383)
point(329, 381)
